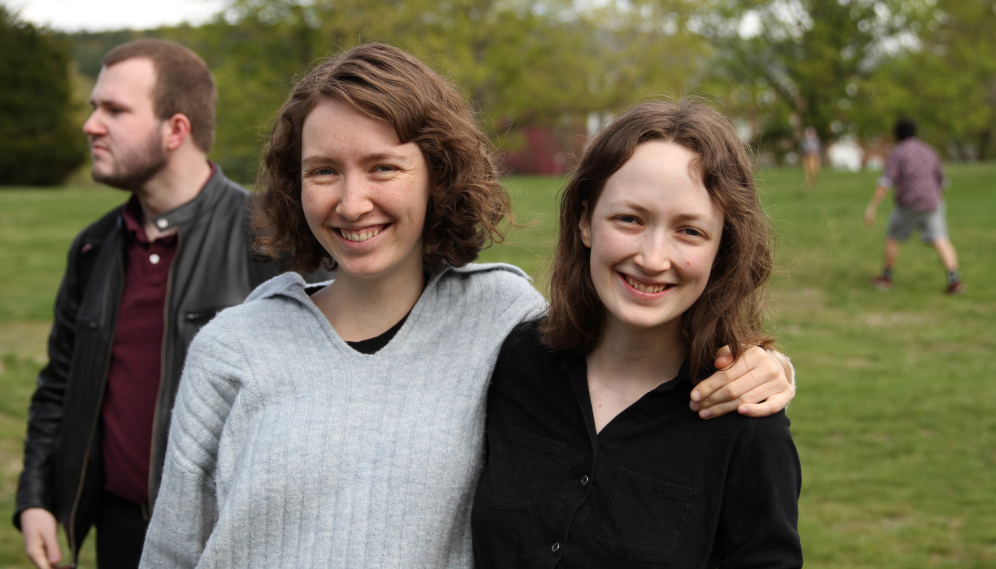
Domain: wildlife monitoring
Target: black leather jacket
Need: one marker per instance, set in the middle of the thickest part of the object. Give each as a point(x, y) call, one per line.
point(213, 269)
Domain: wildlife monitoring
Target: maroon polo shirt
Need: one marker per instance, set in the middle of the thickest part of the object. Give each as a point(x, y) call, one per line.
point(136, 361)
point(917, 174)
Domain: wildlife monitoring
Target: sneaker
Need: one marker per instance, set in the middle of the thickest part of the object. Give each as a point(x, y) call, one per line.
point(881, 283)
point(955, 288)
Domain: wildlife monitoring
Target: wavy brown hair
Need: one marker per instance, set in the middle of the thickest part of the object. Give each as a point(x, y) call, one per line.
point(467, 201)
point(731, 308)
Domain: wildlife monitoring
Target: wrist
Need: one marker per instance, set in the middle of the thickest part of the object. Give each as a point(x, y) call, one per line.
point(787, 366)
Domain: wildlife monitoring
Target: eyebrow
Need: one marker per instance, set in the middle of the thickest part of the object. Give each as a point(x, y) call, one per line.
point(96, 102)
point(630, 205)
point(689, 216)
point(315, 160)
point(640, 208)
point(312, 161)
point(385, 156)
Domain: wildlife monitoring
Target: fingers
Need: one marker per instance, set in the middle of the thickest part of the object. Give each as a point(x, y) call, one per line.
point(756, 377)
point(35, 547)
point(51, 540)
point(41, 537)
point(724, 358)
point(722, 363)
point(760, 402)
point(755, 367)
point(717, 410)
point(774, 404)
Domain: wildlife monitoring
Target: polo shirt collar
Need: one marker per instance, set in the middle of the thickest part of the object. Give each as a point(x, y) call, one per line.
point(132, 216)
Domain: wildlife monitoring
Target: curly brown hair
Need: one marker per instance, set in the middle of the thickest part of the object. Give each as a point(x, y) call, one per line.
point(467, 203)
point(730, 309)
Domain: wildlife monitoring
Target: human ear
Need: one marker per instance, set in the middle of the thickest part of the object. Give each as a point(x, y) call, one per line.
point(177, 130)
point(584, 224)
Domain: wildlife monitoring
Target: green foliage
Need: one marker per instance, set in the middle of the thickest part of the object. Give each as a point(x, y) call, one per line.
point(545, 63)
point(40, 142)
point(516, 62)
point(805, 62)
point(89, 48)
point(845, 67)
point(948, 86)
point(853, 68)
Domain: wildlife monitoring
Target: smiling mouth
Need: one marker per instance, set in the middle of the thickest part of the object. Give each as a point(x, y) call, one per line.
point(359, 235)
point(644, 288)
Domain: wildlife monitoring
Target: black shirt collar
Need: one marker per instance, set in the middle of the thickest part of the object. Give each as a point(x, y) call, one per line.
point(573, 362)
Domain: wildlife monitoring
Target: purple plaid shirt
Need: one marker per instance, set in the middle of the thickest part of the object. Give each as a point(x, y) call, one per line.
point(915, 171)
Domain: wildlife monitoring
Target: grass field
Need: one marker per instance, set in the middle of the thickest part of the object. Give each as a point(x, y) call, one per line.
point(895, 417)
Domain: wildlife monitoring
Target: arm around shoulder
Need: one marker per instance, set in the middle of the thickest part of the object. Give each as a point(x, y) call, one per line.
point(759, 383)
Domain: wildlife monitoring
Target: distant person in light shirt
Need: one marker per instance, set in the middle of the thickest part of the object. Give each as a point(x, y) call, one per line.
point(811, 149)
point(915, 171)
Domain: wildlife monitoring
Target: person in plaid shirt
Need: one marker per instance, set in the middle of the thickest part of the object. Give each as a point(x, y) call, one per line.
point(915, 171)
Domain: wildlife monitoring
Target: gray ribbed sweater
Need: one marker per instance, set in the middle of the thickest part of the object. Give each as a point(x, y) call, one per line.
point(287, 448)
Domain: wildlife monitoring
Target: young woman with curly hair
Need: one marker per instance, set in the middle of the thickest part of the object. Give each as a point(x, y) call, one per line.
point(592, 457)
point(343, 425)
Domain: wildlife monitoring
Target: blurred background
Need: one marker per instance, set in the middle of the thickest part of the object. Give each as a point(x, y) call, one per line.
point(894, 417)
point(542, 74)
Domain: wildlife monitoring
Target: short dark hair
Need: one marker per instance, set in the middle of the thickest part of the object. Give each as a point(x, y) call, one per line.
point(381, 81)
point(905, 128)
point(183, 84)
point(730, 309)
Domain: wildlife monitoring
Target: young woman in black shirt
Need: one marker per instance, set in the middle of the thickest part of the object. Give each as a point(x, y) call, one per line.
point(593, 458)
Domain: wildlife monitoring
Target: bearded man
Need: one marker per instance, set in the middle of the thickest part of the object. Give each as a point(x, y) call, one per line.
point(139, 283)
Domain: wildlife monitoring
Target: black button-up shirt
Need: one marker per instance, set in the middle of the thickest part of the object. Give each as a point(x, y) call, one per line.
point(657, 487)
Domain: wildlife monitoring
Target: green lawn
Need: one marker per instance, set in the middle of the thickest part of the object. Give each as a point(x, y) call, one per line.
point(894, 417)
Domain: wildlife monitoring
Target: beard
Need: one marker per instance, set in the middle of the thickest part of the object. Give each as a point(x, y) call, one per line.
point(133, 168)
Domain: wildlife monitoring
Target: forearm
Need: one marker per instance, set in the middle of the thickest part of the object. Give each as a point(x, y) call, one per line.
point(45, 413)
point(35, 484)
point(880, 193)
point(183, 517)
point(184, 513)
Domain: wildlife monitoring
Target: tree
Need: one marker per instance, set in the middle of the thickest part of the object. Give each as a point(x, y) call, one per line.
point(798, 63)
point(948, 84)
point(541, 63)
point(40, 142)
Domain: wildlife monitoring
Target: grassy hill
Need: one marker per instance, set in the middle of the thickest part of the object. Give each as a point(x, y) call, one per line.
point(894, 417)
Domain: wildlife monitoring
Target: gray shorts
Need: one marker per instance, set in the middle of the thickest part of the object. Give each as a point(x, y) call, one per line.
point(930, 224)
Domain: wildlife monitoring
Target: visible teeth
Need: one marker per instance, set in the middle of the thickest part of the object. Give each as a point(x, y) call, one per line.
point(643, 288)
point(360, 235)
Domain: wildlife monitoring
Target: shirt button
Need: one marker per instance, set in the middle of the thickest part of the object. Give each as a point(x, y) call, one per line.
point(154, 259)
point(584, 480)
point(162, 223)
point(555, 546)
